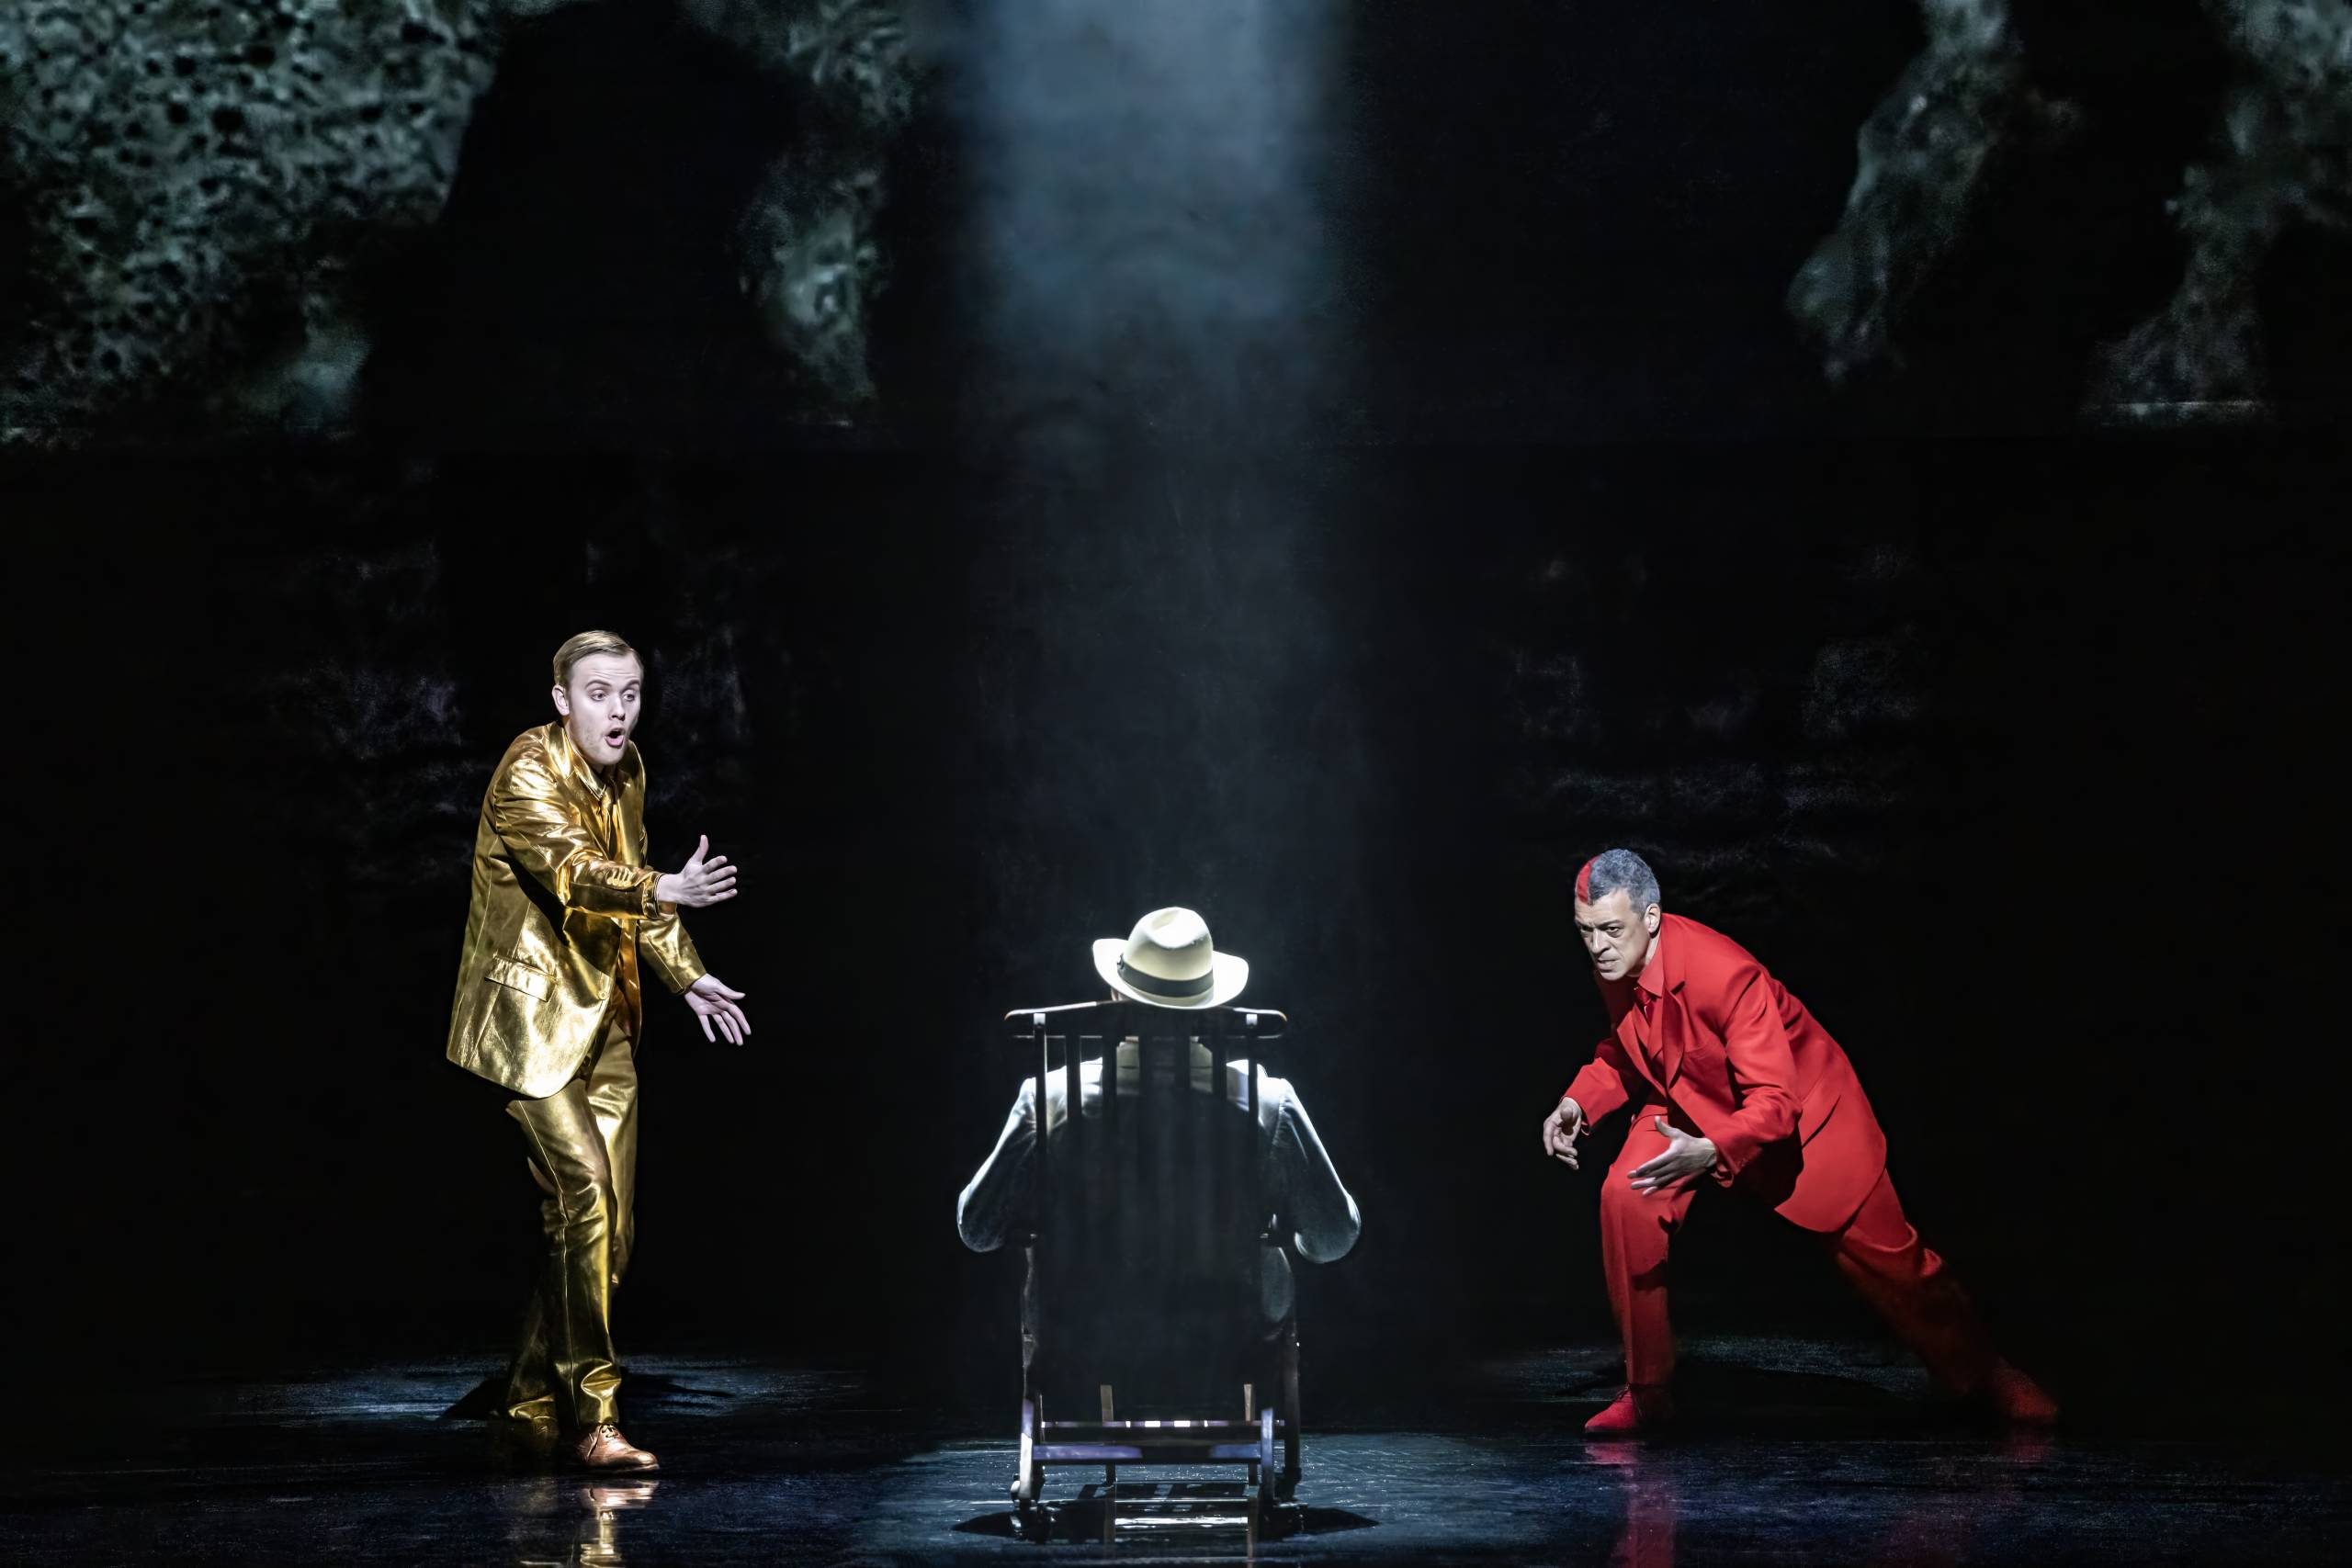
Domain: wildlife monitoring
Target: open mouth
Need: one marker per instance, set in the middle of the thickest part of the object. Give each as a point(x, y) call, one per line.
point(612, 738)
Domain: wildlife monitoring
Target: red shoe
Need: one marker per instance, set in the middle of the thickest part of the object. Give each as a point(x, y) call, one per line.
point(2019, 1399)
point(1635, 1413)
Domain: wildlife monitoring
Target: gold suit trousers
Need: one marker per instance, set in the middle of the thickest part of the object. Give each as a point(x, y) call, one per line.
point(582, 1143)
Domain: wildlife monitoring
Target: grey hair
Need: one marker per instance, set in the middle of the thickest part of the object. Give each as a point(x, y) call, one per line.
point(1610, 870)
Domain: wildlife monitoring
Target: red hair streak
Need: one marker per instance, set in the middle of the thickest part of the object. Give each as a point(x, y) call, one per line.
point(1584, 882)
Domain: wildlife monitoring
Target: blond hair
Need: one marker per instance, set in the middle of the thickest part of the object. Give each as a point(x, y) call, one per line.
point(587, 644)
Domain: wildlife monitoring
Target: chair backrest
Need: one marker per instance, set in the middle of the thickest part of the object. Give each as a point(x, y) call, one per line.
point(1151, 1204)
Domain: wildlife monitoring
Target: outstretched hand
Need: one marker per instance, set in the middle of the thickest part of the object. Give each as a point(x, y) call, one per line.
point(712, 1001)
point(1686, 1159)
point(701, 882)
point(1561, 1131)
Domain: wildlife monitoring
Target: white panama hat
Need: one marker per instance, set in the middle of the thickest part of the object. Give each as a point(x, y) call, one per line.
point(1167, 961)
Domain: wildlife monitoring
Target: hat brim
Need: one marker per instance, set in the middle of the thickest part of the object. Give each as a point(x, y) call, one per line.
point(1227, 975)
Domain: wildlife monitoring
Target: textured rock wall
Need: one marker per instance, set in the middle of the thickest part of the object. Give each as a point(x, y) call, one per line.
point(200, 190)
point(197, 179)
point(2282, 160)
point(1924, 157)
point(1979, 102)
point(382, 675)
point(1666, 702)
point(806, 247)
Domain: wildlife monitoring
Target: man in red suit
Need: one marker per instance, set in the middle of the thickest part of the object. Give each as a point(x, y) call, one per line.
point(1732, 1079)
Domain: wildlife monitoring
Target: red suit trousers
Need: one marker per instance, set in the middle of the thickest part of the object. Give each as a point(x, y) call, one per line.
point(1877, 1251)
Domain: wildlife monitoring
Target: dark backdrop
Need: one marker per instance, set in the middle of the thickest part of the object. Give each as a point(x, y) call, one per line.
point(2002, 744)
point(2000, 754)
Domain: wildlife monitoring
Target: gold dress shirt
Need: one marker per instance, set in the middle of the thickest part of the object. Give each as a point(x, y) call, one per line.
point(562, 905)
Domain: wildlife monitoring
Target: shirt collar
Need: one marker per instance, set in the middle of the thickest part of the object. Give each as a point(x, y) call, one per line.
point(578, 767)
point(1653, 975)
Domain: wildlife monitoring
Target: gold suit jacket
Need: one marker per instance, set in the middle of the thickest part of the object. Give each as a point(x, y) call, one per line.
point(562, 903)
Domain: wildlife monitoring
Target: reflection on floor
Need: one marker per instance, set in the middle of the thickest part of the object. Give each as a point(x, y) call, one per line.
point(1800, 1452)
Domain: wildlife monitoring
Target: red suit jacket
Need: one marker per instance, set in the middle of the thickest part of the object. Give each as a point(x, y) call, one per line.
point(1726, 1046)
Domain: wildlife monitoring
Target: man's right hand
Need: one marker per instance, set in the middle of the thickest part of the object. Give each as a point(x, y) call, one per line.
point(700, 882)
point(1561, 1131)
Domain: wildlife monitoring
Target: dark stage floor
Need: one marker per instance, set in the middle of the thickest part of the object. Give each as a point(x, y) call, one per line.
point(1802, 1452)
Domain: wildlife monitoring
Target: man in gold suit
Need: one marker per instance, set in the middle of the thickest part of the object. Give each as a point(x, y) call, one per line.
point(548, 1008)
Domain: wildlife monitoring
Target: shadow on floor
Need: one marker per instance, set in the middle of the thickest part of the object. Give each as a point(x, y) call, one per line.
point(484, 1400)
point(1200, 1515)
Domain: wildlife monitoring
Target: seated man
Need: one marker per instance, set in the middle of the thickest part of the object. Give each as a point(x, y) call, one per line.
point(1169, 961)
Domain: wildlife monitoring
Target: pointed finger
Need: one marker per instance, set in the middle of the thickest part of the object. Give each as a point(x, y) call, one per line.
point(706, 1026)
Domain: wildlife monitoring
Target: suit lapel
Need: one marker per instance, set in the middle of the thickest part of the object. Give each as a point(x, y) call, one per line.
point(596, 808)
point(1652, 1044)
point(1672, 1029)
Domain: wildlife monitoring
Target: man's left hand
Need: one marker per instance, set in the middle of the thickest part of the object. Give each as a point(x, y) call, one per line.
point(1686, 1159)
point(712, 1001)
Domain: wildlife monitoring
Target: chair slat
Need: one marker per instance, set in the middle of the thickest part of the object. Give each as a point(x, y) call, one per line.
point(1150, 1214)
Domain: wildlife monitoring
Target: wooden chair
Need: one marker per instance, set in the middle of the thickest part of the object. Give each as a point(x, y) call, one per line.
point(1150, 1228)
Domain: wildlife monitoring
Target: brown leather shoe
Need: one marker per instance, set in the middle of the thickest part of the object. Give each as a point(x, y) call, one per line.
point(601, 1447)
